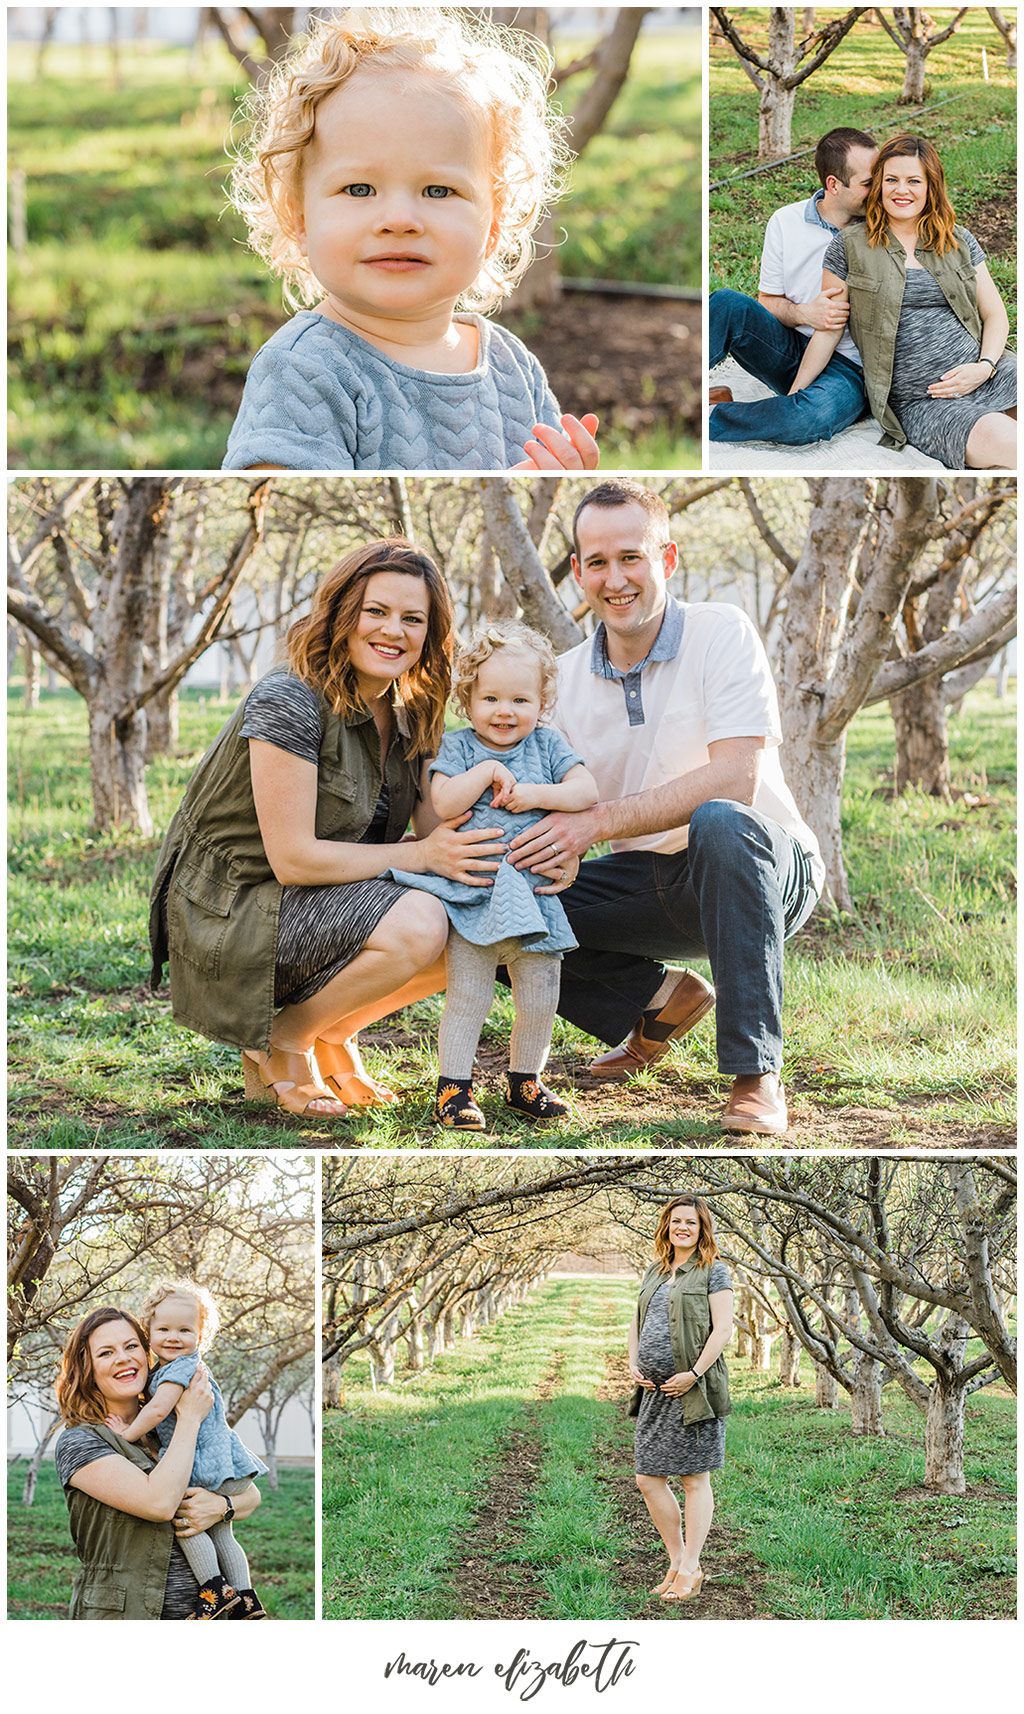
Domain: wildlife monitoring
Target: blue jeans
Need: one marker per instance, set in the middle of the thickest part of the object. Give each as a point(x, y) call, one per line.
point(740, 327)
point(741, 888)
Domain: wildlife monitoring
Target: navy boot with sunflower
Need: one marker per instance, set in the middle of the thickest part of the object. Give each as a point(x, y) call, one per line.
point(217, 1600)
point(455, 1107)
point(527, 1094)
point(249, 1606)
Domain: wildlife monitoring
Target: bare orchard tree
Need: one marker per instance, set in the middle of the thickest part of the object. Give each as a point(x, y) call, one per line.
point(608, 67)
point(778, 73)
point(929, 1248)
point(1007, 27)
point(245, 29)
point(916, 34)
point(864, 546)
point(114, 575)
point(978, 550)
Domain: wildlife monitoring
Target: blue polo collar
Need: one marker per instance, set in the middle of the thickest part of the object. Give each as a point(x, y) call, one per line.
point(664, 648)
point(813, 214)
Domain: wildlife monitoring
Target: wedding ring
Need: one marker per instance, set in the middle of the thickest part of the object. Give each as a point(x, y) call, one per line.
point(554, 850)
point(561, 874)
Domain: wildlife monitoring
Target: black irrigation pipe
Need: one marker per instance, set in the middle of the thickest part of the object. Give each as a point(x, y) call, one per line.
point(626, 289)
point(769, 166)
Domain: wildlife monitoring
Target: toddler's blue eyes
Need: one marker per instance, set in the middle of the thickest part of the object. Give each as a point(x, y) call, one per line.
point(358, 190)
point(437, 190)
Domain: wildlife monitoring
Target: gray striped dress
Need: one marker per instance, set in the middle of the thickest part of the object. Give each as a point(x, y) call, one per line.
point(929, 340)
point(320, 929)
point(665, 1445)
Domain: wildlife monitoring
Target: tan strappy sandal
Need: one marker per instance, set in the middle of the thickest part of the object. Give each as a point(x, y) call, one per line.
point(303, 1090)
point(356, 1088)
point(685, 1586)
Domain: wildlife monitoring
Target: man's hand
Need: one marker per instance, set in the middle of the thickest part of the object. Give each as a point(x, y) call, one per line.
point(829, 310)
point(555, 838)
point(575, 449)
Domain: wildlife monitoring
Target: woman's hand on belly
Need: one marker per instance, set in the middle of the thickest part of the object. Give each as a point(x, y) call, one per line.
point(957, 383)
point(641, 1379)
point(677, 1385)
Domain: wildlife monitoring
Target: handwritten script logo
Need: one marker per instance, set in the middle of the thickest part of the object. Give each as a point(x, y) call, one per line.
point(602, 1664)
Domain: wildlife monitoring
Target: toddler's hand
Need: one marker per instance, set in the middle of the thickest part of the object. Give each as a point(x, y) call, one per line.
point(576, 449)
point(503, 781)
point(520, 798)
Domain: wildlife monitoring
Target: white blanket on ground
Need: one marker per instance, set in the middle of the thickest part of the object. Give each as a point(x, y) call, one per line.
point(856, 449)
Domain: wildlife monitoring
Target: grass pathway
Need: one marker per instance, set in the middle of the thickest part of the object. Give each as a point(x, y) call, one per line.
point(500, 1485)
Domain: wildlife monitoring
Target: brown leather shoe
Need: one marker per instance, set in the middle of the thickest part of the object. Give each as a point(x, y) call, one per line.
point(719, 396)
point(648, 1041)
point(760, 1111)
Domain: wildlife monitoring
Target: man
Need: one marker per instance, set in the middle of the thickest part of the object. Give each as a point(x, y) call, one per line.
point(675, 711)
point(767, 338)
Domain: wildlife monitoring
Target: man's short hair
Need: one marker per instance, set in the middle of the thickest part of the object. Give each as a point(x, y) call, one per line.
point(624, 491)
point(833, 152)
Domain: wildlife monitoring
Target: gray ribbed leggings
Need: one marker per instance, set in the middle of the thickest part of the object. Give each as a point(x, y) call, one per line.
point(535, 979)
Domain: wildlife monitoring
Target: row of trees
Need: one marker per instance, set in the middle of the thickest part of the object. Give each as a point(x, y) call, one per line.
point(84, 1231)
point(797, 46)
point(885, 1271)
point(865, 590)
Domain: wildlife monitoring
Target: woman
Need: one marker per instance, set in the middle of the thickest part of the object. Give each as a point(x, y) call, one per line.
point(682, 1325)
point(124, 1507)
point(925, 316)
point(283, 938)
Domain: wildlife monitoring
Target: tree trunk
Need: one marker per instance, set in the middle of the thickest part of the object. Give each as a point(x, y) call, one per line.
point(28, 1493)
point(912, 93)
point(382, 1354)
point(826, 1389)
point(789, 1358)
point(775, 119)
point(922, 738)
point(117, 765)
point(1008, 31)
point(270, 1454)
point(944, 1438)
point(162, 724)
point(866, 1395)
point(414, 1343)
point(817, 613)
point(30, 656)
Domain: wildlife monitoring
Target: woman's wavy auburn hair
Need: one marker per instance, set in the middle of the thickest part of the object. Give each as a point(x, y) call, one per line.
point(707, 1245)
point(318, 645)
point(520, 639)
point(935, 228)
point(499, 73)
point(202, 1297)
point(79, 1399)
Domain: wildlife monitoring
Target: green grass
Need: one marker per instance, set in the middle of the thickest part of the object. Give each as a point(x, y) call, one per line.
point(136, 307)
point(899, 1020)
point(838, 1527)
point(41, 1562)
point(859, 85)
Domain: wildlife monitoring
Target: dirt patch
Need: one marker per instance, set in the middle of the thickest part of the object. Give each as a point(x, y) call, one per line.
point(489, 1581)
point(483, 1588)
point(920, 1495)
point(994, 223)
point(734, 1582)
point(635, 361)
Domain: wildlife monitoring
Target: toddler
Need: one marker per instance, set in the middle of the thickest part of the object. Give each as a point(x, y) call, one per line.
point(400, 160)
point(181, 1319)
point(510, 770)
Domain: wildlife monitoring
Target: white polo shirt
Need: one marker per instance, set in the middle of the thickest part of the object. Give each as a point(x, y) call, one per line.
point(795, 242)
point(707, 677)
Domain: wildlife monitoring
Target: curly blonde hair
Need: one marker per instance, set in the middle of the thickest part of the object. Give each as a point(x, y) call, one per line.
point(707, 1244)
point(510, 634)
point(498, 71)
point(209, 1314)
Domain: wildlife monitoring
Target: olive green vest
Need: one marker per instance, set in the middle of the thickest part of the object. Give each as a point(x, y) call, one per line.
point(876, 280)
point(124, 1559)
point(689, 1328)
point(215, 902)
